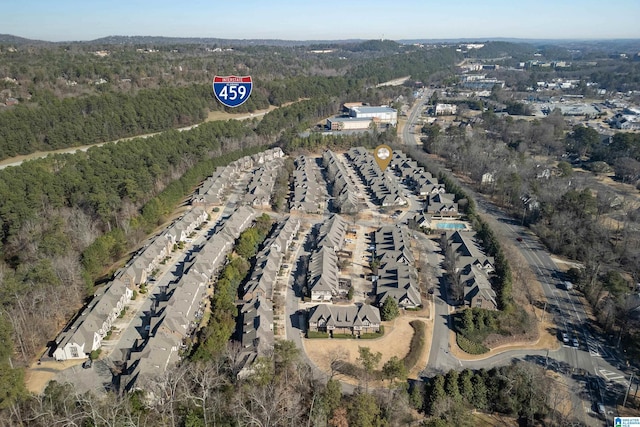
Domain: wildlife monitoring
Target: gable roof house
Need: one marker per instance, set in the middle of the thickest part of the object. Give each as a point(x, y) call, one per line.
point(214, 252)
point(344, 191)
point(474, 268)
point(86, 332)
point(239, 221)
point(261, 185)
point(211, 191)
point(397, 276)
point(399, 282)
point(477, 288)
point(176, 233)
point(420, 220)
point(322, 276)
point(441, 204)
point(257, 325)
point(284, 237)
point(145, 366)
point(332, 233)
point(383, 191)
point(309, 195)
point(354, 319)
point(468, 251)
point(264, 275)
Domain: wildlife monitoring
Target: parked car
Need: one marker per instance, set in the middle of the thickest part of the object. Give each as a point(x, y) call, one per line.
point(575, 342)
point(565, 338)
point(519, 239)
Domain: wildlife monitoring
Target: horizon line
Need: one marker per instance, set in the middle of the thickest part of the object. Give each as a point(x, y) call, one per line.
point(451, 39)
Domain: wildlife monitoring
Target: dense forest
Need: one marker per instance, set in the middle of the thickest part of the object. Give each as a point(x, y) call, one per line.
point(54, 124)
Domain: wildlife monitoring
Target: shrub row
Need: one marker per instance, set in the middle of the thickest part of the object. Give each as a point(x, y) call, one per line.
point(317, 334)
point(416, 346)
point(469, 346)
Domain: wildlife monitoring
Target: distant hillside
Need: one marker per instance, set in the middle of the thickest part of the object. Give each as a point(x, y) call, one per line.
point(610, 45)
point(15, 40)
point(615, 45)
point(160, 40)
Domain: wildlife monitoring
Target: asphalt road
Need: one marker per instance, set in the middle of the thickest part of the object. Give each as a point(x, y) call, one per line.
point(593, 355)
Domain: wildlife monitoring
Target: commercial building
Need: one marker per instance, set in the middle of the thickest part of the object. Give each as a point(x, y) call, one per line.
point(386, 115)
point(360, 117)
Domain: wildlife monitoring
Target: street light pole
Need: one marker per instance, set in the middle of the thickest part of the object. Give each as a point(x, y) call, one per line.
point(624, 404)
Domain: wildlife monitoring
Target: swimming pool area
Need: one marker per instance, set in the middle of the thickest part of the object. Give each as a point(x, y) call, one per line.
point(450, 226)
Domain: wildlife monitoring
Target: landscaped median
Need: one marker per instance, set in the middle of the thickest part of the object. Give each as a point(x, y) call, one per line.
point(476, 328)
point(482, 342)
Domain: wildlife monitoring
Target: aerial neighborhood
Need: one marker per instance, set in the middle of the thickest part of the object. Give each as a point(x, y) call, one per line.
point(341, 279)
point(335, 233)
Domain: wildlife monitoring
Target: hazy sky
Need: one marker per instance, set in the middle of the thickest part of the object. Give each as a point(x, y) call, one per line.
point(328, 20)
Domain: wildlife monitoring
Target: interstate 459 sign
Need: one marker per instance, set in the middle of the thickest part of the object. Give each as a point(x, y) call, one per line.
point(232, 91)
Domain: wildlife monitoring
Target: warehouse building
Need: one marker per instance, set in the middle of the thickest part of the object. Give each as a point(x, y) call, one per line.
point(386, 115)
point(348, 123)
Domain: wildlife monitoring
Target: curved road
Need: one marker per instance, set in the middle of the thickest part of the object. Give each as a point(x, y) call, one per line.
point(593, 354)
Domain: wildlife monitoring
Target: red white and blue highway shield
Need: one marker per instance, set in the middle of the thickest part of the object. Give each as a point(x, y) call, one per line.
point(232, 91)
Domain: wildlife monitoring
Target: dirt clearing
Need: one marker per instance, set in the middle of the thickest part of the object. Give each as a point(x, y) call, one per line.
point(38, 376)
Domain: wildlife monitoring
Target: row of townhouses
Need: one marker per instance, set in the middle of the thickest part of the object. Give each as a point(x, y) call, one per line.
point(86, 332)
point(438, 203)
point(323, 282)
point(213, 189)
point(344, 191)
point(88, 329)
point(309, 194)
point(269, 260)
point(475, 269)
point(396, 275)
point(256, 313)
point(179, 306)
point(175, 314)
point(261, 185)
point(332, 233)
point(383, 189)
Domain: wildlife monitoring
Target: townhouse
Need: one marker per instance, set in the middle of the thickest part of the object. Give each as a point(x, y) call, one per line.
point(475, 269)
point(322, 275)
point(86, 332)
point(346, 197)
point(309, 194)
point(261, 185)
point(332, 233)
point(354, 319)
point(396, 276)
point(384, 190)
point(256, 314)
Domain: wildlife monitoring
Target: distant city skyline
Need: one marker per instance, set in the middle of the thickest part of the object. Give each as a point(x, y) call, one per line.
point(71, 20)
